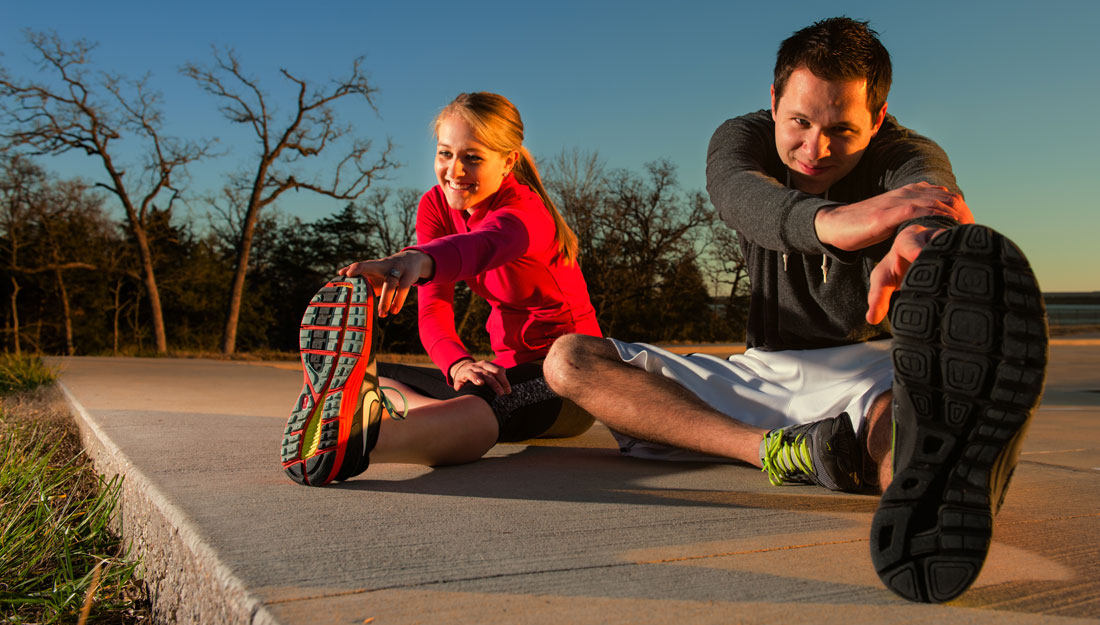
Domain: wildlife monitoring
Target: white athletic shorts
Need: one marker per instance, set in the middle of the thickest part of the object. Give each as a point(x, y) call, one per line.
point(767, 389)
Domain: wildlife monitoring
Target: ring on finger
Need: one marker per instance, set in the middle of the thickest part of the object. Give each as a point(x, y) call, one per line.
point(394, 273)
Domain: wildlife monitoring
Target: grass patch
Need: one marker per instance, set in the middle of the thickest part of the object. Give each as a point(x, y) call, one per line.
point(23, 372)
point(58, 555)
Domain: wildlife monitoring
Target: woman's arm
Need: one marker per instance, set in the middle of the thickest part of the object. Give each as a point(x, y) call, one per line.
point(514, 223)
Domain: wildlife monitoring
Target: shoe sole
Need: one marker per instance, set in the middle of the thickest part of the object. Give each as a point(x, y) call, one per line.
point(324, 439)
point(969, 355)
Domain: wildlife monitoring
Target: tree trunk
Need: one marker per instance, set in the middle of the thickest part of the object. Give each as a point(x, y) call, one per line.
point(151, 286)
point(236, 294)
point(66, 313)
point(118, 312)
point(236, 290)
point(15, 314)
point(135, 322)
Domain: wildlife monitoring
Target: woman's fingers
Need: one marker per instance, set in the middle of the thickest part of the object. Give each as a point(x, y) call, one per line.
point(483, 372)
point(498, 379)
point(392, 277)
point(393, 294)
point(389, 278)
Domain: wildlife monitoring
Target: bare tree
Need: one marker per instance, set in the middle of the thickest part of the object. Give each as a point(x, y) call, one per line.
point(69, 219)
point(49, 227)
point(395, 217)
point(723, 264)
point(77, 110)
point(578, 182)
point(309, 131)
point(20, 181)
point(636, 233)
point(652, 218)
point(644, 228)
point(114, 261)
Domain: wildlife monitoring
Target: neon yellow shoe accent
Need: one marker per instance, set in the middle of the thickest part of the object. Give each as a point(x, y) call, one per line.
point(311, 437)
point(785, 460)
point(825, 452)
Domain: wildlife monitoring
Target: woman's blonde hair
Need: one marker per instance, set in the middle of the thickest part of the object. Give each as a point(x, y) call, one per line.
point(496, 123)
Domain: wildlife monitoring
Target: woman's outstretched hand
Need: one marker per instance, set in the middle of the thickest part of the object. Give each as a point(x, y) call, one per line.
point(392, 277)
point(480, 372)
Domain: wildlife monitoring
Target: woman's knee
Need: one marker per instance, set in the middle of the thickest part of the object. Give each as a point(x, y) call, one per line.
point(572, 421)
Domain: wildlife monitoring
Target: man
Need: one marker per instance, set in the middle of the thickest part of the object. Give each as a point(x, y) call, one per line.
point(832, 201)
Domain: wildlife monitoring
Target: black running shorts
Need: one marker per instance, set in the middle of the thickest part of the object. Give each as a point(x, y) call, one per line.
point(529, 411)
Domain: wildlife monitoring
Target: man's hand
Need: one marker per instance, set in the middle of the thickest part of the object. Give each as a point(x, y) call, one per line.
point(862, 224)
point(481, 372)
point(392, 277)
point(888, 274)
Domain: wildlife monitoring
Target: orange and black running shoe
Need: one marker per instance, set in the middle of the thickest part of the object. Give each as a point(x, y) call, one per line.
point(334, 424)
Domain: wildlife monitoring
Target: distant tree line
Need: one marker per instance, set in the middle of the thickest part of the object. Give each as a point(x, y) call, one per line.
point(659, 265)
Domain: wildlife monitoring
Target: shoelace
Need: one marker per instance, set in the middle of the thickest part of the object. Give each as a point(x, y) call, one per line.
point(389, 406)
point(784, 459)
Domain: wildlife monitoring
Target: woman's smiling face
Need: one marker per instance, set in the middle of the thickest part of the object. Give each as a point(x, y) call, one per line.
point(467, 170)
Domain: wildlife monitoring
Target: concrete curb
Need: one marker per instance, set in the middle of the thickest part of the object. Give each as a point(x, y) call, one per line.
point(187, 581)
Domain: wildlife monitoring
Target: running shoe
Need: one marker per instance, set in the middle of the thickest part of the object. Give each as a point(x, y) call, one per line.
point(969, 355)
point(826, 453)
point(334, 424)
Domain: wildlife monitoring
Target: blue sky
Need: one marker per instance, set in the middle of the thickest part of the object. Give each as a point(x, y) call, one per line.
point(1001, 86)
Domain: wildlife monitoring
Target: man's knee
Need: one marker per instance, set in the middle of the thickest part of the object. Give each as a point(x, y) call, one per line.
point(571, 357)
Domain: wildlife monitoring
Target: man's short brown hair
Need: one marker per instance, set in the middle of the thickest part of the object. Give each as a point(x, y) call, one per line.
point(838, 48)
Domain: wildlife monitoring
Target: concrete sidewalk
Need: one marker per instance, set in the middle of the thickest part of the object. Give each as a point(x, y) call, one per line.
point(553, 532)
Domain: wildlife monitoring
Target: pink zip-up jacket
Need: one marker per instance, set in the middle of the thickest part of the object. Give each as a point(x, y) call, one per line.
point(506, 253)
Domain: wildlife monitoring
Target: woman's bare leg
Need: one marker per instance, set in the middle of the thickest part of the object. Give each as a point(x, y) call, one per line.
point(436, 432)
point(413, 399)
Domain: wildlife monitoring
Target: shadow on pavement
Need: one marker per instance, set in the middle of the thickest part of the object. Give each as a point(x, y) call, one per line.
point(586, 475)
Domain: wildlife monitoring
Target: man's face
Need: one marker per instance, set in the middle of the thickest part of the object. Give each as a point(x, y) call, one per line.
point(822, 128)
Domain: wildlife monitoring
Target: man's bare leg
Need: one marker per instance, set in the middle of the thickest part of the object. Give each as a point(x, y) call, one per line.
point(878, 439)
point(589, 371)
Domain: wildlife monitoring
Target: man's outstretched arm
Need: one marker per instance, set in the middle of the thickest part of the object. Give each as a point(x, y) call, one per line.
point(862, 224)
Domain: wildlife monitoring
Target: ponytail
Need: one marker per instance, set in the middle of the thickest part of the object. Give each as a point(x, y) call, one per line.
point(527, 174)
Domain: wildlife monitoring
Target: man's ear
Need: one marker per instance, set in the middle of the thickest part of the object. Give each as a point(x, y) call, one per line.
point(881, 117)
point(773, 101)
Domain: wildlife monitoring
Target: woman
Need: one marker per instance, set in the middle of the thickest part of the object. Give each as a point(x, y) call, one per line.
point(489, 222)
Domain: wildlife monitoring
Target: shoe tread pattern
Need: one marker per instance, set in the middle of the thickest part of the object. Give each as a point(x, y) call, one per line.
point(333, 336)
point(970, 349)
